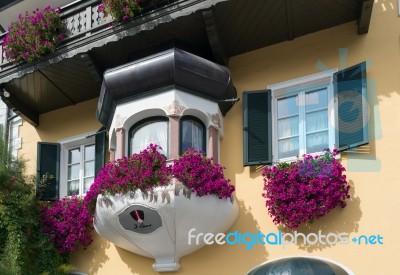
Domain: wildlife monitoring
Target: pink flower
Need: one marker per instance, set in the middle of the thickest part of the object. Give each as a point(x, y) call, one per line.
point(304, 190)
point(69, 221)
point(33, 36)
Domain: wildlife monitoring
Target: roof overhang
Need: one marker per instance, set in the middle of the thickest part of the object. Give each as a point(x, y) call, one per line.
point(172, 68)
point(215, 29)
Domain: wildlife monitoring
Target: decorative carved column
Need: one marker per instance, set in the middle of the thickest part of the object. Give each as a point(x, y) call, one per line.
point(212, 151)
point(213, 136)
point(174, 112)
point(173, 137)
point(112, 154)
point(120, 151)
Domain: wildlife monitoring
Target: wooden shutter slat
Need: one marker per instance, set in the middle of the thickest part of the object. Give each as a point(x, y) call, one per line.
point(257, 128)
point(352, 108)
point(48, 161)
point(100, 150)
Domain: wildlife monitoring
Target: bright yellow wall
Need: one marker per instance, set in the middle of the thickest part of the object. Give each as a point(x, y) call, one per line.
point(374, 207)
point(53, 126)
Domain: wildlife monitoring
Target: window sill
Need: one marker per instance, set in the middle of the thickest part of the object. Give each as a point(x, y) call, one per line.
point(293, 159)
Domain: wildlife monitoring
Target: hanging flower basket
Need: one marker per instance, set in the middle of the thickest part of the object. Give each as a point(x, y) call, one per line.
point(144, 206)
point(147, 207)
point(123, 10)
point(304, 190)
point(34, 35)
point(68, 223)
point(156, 223)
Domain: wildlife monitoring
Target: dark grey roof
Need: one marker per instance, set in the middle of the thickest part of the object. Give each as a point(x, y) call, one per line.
point(6, 3)
point(217, 29)
point(158, 72)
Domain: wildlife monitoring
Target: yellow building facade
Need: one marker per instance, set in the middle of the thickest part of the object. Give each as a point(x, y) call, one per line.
point(372, 170)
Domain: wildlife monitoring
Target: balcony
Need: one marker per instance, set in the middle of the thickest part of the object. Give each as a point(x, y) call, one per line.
point(212, 29)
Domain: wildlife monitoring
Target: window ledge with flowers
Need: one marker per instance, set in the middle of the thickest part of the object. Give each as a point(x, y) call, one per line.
point(146, 198)
point(124, 10)
point(306, 189)
point(138, 201)
point(36, 34)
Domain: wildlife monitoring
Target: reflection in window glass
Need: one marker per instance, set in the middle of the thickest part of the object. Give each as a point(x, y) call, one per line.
point(288, 127)
point(80, 169)
point(88, 169)
point(316, 116)
point(302, 123)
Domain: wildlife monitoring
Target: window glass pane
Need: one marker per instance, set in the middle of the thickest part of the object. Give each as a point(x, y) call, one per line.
point(155, 132)
point(288, 106)
point(316, 100)
point(288, 127)
point(192, 135)
point(186, 134)
point(317, 138)
point(288, 147)
point(73, 187)
point(317, 142)
point(89, 152)
point(317, 121)
point(73, 171)
point(89, 168)
point(74, 156)
point(14, 131)
point(87, 183)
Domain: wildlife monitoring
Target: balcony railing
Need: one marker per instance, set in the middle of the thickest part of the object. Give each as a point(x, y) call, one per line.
point(87, 28)
point(81, 19)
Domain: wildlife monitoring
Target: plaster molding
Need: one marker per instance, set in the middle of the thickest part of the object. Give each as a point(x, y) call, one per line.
point(215, 120)
point(119, 121)
point(174, 109)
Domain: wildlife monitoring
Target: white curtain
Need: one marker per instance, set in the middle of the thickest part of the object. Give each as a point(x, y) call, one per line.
point(288, 131)
point(317, 131)
point(314, 113)
point(317, 121)
point(153, 132)
point(192, 135)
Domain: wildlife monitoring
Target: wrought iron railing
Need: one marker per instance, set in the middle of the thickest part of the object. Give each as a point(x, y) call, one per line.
point(81, 19)
point(85, 25)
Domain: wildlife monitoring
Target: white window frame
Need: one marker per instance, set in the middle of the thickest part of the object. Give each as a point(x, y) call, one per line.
point(300, 86)
point(66, 145)
point(14, 143)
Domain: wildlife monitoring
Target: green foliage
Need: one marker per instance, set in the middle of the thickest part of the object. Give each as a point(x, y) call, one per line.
point(24, 249)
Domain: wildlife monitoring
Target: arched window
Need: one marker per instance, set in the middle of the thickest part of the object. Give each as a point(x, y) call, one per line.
point(301, 265)
point(192, 134)
point(151, 130)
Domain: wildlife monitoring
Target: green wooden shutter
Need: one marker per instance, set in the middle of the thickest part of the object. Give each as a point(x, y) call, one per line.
point(257, 128)
point(100, 149)
point(48, 161)
point(352, 108)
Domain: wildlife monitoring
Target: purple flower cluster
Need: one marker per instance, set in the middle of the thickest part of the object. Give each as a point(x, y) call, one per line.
point(142, 171)
point(148, 169)
point(123, 10)
point(305, 190)
point(34, 35)
point(69, 223)
point(202, 175)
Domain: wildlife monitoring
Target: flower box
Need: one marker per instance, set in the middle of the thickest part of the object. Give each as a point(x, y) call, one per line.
point(305, 190)
point(156, 223)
